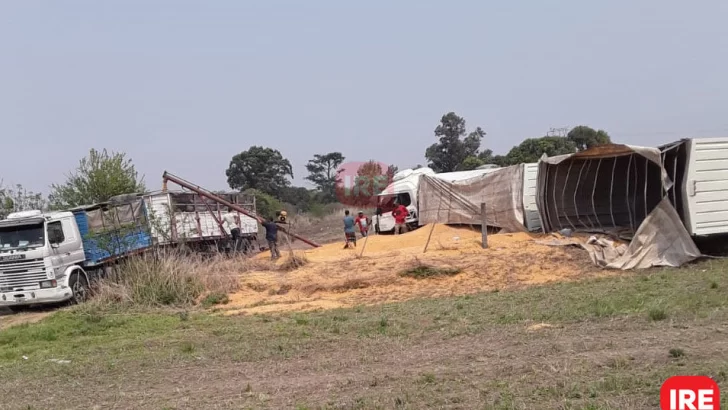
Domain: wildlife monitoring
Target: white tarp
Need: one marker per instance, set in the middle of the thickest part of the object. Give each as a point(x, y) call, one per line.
point(661, 240)
point(459, 202)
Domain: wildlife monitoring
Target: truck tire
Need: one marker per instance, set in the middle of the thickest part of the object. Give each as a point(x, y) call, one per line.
point(79, 288)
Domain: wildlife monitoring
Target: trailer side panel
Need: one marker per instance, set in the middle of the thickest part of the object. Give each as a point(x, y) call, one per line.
point(532, 219)
point(706, 186)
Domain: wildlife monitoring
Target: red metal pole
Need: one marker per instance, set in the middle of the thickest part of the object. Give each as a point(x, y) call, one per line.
point(207, 194)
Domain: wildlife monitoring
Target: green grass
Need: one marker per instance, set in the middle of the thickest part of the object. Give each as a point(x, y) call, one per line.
point(657, 314)
point(121, 341)
point(678, 291)
point(676, 352)
point(426, 271)
point(215, 298)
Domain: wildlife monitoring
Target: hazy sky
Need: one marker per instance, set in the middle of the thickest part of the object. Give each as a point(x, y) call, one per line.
point(185, 85)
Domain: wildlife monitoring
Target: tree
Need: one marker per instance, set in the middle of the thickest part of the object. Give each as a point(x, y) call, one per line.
point(450, 152)
point(471, 163)
point(391, 170)
point(323, 171)
point(266, 205)
point(20, 199)
point(369, 169)
point(299, 197)
point(585, 137)
point(531, 149)
point(487, 157)
point(98, 177)
point(371, 179)
point(259, 168)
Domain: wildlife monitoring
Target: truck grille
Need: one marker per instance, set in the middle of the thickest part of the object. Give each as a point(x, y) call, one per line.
point(24, 274)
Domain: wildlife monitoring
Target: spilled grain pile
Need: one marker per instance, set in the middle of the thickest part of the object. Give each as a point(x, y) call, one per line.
point(336, 277)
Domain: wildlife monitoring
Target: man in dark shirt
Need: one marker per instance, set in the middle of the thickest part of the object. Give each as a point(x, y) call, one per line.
point(349, 232)
point(271, 235)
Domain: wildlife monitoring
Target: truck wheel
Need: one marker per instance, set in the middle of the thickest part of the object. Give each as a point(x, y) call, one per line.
point(79, 288)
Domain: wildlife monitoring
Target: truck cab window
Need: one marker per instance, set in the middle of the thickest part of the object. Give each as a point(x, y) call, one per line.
point(404, 199)
point(55, 232)
point(387, 203)
point(16, 237)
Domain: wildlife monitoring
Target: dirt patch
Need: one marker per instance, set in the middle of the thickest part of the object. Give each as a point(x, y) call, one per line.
point(609, 365)
point(8, 318)
point(338, 277)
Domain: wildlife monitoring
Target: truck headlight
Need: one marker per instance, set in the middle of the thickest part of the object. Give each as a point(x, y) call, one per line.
point(48, 284)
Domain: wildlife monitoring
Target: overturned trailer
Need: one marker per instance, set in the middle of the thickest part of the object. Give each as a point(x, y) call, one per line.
point(618, 190)
point(610, 188)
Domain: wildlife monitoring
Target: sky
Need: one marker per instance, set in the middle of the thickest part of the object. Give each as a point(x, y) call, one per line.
point(183, 85)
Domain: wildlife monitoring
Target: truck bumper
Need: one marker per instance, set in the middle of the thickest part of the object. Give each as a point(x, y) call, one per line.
point(386, 224)
point(37, 296)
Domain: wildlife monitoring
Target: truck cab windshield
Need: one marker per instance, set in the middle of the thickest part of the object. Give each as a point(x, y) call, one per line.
point(21, 236)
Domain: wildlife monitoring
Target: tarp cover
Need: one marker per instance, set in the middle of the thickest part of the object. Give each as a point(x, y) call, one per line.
point(112, 216)
point(459, 202)
point(661, 240)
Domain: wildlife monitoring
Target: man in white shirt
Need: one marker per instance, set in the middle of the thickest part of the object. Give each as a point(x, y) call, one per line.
point(230, 220)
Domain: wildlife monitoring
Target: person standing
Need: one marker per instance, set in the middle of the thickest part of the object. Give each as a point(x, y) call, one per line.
point(271, 235)
point(231, 221)
point(363, 222)
point(400, 215)
point(349, 232)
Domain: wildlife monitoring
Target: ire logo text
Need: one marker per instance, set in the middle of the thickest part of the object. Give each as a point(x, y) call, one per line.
point(689, 393)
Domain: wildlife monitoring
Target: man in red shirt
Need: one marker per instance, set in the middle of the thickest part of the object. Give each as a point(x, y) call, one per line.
point(363, 223)
point(400, 214)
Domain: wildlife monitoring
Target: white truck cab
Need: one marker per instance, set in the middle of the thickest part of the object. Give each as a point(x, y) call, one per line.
point(40, 259)
point(403, 190)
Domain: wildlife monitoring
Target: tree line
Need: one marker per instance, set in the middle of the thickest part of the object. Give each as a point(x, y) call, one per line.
point(265, 173)
point(456, 151)
point(99, 176)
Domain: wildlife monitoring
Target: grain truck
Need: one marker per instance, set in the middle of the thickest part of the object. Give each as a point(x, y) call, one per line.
point(53, 257)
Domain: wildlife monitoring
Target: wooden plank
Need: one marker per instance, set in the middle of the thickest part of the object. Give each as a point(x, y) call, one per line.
point(483, 227)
